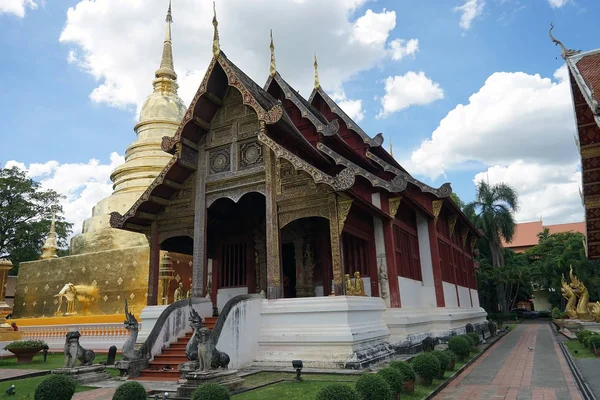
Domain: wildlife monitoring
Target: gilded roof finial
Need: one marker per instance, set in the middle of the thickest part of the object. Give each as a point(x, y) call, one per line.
point(316, 65)
point(166, 69)
point(391, 148)
point(564, 51)
point(216, 46)
point(169, 17)
point(272, 68)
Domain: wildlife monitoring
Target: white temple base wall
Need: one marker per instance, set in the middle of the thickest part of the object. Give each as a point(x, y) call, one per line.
point(226, 294)
point(150, 315)
point(411, 326)
point(326, 332)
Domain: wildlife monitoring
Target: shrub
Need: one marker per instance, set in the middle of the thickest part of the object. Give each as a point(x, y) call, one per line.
point(474, 337)
point(394, 378)
point(26, 344)
point(211, 391)
point(131, 390)
point(405, 370)
point(586, 339)
point(443, 358)
point(55, 387)
point(426, 365)
point(582, 335)
point(451, 356)
point(372, 387)
point(593, 341)
point(460, 346)
point(337, 391)
point(556, 313)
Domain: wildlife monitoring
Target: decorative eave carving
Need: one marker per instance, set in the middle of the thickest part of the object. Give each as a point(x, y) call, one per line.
point(371, 142)
point(452, 223)
point(464, 233)
point(590, 151)
point(443, 191)
point(394, 204)
point(343, 208)
point(343, 181)
point(394, 186)
point(473, 240)
point(594, 202)
point(436, 207)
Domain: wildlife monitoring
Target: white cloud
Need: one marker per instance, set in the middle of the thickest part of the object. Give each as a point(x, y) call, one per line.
point(403, 91)
point(120, 42)
point(470, 10)
point(544, 190)
point(17, 7)
point(351, 107)
point(402, 48)
point(557, 3)
point(82, 184)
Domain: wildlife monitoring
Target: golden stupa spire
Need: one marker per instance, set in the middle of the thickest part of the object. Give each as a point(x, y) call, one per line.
point(272, 68)
point(316, 65)
point(391, 148)
point(216, 46)
point(166, 69)
point(49, 248)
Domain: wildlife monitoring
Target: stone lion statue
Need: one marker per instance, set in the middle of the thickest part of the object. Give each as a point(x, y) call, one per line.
point(208, 356)
point(74, 351)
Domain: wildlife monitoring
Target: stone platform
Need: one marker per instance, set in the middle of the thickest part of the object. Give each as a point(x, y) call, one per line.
point(85, 375)
point(227, 377)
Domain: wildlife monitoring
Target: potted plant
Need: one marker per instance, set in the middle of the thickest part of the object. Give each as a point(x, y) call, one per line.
point(395, 379)
point(426, 367)
point(461, 346)
point(24, 350)
point(451, 360)
point(594, 344)
point(408, 375)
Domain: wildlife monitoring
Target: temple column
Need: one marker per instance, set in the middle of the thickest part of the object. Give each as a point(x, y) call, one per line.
point(338, 211)
point(153, 265)
point(427, 266)
point(389, 258)
point(200, 261)
point(435, 254)
point(274, 289)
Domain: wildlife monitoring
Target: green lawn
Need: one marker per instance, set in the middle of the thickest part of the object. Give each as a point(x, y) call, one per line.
point(25, 388)
point(54, 360)
point(578, 350)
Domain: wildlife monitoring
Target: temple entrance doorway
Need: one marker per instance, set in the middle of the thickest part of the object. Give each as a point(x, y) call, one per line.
point(175, 269)
point(235, 247)
point(306, 258)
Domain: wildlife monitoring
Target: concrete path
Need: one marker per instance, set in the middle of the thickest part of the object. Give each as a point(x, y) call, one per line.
point(96, 394)
point(510, 370)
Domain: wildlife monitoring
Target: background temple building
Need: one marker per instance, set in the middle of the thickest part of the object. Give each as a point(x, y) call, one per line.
point(526, 233)
point(265, 191)
point(584, 75)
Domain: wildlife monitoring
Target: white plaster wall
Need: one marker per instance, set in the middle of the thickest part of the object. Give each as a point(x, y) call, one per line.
point(367, 283)
point(239, 337)
point(226, 294)
point(450, 294)
point(463, 295)
point(319, 292)
point(414, 294)
point(475, 298)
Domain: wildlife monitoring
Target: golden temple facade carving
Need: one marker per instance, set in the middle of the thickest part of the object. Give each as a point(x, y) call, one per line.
point(452, 223)
point(436, 206)
point(394, 204)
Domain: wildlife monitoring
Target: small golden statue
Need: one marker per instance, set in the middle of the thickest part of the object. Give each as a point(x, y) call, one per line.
point(189, 292)
point(356, 288)
point(178, 295)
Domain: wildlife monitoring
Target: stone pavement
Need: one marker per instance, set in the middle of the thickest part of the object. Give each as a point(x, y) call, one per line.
point(8, 374)
point(510, 370)
point(96, 394)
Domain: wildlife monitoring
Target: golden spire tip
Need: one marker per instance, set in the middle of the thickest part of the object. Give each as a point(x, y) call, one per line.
point(216, 46)
point(169, 17)
point(272, 68)
point(391, 148)
point(316, 65)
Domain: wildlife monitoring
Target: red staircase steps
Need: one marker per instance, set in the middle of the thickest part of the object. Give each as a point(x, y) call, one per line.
point(171, 356)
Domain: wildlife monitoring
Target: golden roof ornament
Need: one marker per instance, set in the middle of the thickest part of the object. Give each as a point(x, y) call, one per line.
point(272, 68)
point(166, 69)
point(391, 148)
point(49, 247)
point(564, 51)
point(316, 65)
point(216, 46)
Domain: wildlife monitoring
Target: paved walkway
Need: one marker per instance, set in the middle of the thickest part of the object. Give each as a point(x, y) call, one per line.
point(96, 394)
point(7, 373)
point(510, 370)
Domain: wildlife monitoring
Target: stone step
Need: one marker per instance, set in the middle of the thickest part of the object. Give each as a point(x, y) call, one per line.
point(159, 375)
point(162, 358)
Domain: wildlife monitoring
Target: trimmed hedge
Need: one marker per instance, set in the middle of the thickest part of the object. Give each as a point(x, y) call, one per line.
point(593, 340)
point(55, 387)
point(474, 337)
point(373, 387)
point(405, 370)
point(460, 345)
point(394, 378)
point(584, 334)
point(131, 390)
point(337, 391)
point(26, 344)
point(451, 356)
point(443, 358)
point(211, 391)
point(426, 365)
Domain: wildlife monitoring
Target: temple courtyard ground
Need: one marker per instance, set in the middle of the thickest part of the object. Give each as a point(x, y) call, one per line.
point(526, 364)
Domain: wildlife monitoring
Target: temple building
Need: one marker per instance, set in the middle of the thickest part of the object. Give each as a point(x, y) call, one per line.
point(584, 76)
point(526, 233)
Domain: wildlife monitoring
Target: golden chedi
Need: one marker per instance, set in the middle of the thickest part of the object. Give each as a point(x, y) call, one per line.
point(106, 265)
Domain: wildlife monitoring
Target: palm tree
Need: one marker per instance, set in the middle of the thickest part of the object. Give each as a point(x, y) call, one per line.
point(494, 207)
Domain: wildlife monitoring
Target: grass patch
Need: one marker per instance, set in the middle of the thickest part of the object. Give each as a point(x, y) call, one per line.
point(25, 388)
point(54, 360)
point(578, 350)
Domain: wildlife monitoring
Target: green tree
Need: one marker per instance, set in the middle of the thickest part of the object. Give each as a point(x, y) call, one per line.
point(25, 217)
point(493, 209)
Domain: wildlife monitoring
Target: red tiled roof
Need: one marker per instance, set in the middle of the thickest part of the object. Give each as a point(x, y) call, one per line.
point(589, 68)
point(526, 233)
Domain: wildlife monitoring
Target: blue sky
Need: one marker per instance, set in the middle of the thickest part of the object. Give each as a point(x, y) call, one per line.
point(48, 113)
